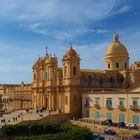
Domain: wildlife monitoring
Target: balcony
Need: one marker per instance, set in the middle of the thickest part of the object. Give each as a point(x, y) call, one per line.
point(109, 107)
point(97, 106)
point(121, 107)
point(135, 107)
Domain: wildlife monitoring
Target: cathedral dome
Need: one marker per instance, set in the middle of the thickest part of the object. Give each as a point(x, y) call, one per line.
point(116, 49)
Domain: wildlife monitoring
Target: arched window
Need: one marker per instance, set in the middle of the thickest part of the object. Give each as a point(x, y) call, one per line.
point(125, 65)
point(117, 65)
point(65, 70)
point(108, 66)
point(46, 75)
point(34, 76)
point(74, 70)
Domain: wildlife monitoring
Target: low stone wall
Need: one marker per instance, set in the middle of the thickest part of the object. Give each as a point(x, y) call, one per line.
point(100, 128)
point(52, 118)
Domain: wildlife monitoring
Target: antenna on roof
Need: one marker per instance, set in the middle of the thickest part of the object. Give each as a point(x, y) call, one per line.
point(46, 49)
point(70, 44)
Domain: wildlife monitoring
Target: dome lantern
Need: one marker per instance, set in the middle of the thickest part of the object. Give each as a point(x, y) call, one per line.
point(116, 38)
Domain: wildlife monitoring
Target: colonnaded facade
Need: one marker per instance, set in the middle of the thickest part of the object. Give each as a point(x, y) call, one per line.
point(16, 96)
point(69, 89)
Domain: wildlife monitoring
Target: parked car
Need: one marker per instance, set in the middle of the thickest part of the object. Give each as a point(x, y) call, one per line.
point(95, 136)
point(136, 136)
point(101, 138)
point(115, 124)
point(131, 126)
point(110, 132)
point(107, 122)
point(121, 124)
point(98, 137)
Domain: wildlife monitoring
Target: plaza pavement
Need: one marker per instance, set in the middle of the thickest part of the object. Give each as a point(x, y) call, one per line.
point(21, 115)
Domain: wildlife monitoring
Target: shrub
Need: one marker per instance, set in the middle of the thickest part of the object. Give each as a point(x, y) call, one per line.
point(48, 132)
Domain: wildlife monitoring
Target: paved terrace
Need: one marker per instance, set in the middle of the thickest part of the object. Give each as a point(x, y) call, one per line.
point(22, 115)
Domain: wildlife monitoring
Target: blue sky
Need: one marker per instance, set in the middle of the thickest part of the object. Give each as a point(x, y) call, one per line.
point(27, 26)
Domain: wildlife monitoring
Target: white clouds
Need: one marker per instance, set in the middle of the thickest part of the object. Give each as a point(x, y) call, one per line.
point(124, 9)
point(68, 33)
point(68, 11)
point(102, 31)
point(60, 21)
point(49, 17)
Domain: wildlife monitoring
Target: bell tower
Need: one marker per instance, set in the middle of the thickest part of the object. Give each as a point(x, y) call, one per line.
point(71, 68)
point(71, 81)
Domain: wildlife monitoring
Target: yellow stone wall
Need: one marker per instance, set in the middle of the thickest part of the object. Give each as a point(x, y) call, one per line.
point(115, 96)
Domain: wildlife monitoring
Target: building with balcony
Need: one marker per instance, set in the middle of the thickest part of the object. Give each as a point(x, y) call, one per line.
point(113, 105)
point(116, 89)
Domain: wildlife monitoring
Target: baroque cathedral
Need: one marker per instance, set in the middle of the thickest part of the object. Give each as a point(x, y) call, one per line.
point(61, 88)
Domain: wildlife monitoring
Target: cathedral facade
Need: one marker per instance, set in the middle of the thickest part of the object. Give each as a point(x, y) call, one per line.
point(57, 89)
point(69, 89)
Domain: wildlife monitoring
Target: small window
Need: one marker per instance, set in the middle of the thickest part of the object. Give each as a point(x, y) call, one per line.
point(109, 116)
point(97, 101)
point(109, 102)
point(108, 66)
point(87, 113)
point(117, 65)
point(74, 70)
point(46, 75)
point(97, 115)
point(135, 103)
point(121, 117)
point(125, 65)
point(121, 102)
point(135, 119)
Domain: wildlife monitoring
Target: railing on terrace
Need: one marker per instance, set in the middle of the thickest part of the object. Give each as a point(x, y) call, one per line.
point(135, 107)
point(121, 107)
point(109, 107)
point(97, 105)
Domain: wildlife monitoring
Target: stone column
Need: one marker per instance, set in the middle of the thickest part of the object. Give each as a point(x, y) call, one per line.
point(43, 100)
point(49, 101)
point(52, 99)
